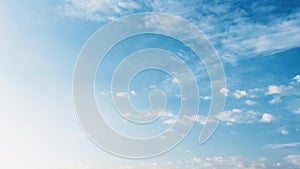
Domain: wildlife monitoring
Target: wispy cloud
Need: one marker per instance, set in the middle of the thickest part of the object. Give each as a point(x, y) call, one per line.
point(293, 159)
point(280, 146)
point(237, 116)
point(237, 30)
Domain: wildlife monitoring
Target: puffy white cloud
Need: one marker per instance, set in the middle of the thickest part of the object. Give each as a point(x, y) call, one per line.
point(206, 98)
point(293, 159)
point(275, 100)
point(267, 118)
point(239, 94)
point(297, 78)
point(283, 131)
point(250, 102)
point(274, 89)
point(224, 91)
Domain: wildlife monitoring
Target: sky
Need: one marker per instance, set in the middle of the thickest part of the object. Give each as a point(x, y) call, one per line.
point(258, 43)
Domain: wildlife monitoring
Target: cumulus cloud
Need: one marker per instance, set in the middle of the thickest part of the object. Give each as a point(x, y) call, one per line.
point(267, 118)
point(293, 159)
point(239, 94)
point(250, 102)
point(224, 91)
point(283, 131)
point(274, 89)
point(297, 78)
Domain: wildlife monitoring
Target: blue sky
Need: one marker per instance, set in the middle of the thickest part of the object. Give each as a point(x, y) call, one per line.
point(257, 41)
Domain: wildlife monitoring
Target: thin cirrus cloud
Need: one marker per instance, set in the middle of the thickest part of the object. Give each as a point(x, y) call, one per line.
point(281, 146)
point(229, 25)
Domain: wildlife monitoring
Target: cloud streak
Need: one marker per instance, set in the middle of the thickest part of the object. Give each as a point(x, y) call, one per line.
point(237, 30)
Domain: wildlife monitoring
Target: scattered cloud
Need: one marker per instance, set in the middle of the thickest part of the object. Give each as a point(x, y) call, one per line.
point(170, 121)
point(206, 97)
point(227, 24)
point(239, 94)
point(150, 115)
point(218, 162)
point(237, 116)
point(267, 118)
point(280, 146)
point(224, 91)
point(297, 78)
point(283, 131)
point(275, 100)
point(274, 89)
point(122, 94)
point(293, 159)
point(250, 102)
point(101, 10)
point(125, 94)
point(297, 111)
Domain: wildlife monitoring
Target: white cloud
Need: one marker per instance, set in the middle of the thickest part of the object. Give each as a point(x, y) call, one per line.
point(239, 94)
point(275, 100)
point(132, 92)
point(218, 162)
point(150, 115)
point(297, 78)
point(250, 102)
point(125, 94)
point(274, 89)
point(253, 93)
point(267, 118)
point(237, 116)
point(283, 131)
point(100, 10)
point(293, 159)
point(297, 111)
point(280, 146)
point(237, 34)
point(206, 98)
point(170, 121)
point(122, 94)
point(224, 91)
